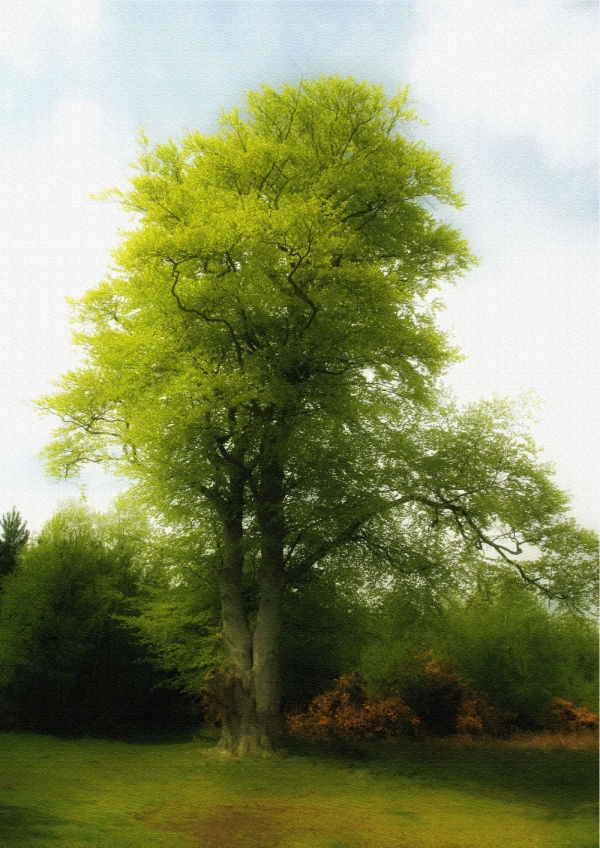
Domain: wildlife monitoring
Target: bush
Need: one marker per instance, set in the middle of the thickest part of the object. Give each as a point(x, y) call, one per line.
point(346, 712)
point(502, 641)
point(565, 717)
point(443, 701)
point(521, 655)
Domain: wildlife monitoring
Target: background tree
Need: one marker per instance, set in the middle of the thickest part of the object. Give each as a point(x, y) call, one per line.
point(67, 660)
point(264, 358)
point(512, 648)
point(14, 537)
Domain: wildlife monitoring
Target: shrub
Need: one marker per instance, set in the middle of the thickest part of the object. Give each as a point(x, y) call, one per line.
point(505, 643)
point(520, 654)
point(565, 717)
point(346, 712)
point(443, 701)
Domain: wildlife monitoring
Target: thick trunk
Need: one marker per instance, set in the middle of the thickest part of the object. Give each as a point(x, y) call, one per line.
point(240, 729)
point(265, 668)
point(249, 698)
point(248, 692)
point(232, 689)
point(267, 633)
point(249, 701)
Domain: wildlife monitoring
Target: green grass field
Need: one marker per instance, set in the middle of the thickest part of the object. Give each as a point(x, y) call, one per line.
point(401, 794)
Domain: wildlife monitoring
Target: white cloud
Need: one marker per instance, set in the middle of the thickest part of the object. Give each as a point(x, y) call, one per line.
point(37, 498)
point(493, 75)
point(528, 67)
point(79, 17)
point(55, 241)
point(528, 320)
point(21, 21)
point(26, 24)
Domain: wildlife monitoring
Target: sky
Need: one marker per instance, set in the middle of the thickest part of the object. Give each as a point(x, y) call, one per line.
point(509, 93)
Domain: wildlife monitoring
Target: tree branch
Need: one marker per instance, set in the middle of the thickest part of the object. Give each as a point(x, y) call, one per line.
point(205, 316)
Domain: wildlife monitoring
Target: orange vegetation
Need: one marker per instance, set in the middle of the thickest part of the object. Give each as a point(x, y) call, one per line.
point(348, 712)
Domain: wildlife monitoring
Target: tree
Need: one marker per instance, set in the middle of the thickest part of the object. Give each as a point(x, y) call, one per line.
point(264, 358)
point(67, 659)
point(507, 643)
point(55, 612)
point(14, 537)
point(177, 614)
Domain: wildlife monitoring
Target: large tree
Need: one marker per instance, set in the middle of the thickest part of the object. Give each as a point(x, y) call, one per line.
point(264, 360)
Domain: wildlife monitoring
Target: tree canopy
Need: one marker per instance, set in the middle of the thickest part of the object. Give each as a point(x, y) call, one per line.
point(263, 359)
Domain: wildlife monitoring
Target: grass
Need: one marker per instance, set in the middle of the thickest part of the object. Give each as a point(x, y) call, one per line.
point(399, 794)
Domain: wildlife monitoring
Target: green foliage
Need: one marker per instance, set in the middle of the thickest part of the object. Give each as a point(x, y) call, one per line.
point(489, 484)
point(177, 611)
point(520, 654)
point(272, 306)
point(14, 537)
point(323, 630)
point(66, 663)
point(66, 562)
point(269, 266)
point(506, 643)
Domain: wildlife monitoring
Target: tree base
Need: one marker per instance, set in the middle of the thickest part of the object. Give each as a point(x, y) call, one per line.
point(244, 732)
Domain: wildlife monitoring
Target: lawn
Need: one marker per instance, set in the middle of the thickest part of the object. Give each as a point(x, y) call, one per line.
point(401, 794)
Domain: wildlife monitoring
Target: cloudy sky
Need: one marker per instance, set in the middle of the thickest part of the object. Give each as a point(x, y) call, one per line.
point(510, 93)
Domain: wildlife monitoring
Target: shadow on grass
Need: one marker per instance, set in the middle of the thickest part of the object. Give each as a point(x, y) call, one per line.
point(27, 826)
point(563, 782)
point(180, 736)
point(132, 736)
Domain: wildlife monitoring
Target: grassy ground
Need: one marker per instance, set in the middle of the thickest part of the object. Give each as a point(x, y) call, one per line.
point(402, 794)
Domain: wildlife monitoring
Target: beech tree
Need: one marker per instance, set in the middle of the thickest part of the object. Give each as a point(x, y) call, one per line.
point(263, 359)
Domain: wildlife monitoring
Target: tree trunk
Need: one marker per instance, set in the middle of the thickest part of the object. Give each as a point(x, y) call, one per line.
point(232, 689)
point(248, 692)
point(267, 633)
